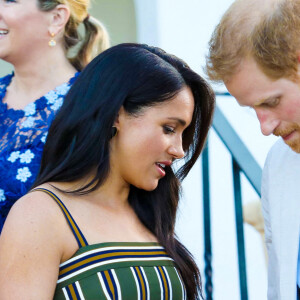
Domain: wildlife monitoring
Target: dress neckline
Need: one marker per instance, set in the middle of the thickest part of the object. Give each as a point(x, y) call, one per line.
point(150, 249)
point(116, 245)
point(60, 90)
point(113, 255)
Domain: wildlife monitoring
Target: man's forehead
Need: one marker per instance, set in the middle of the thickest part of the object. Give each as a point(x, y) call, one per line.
point(249, 85)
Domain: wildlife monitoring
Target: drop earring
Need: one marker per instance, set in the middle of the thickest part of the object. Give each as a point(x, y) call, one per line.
point(52, 42)
point(114, 131)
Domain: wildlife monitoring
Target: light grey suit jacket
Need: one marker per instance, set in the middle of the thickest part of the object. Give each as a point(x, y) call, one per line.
point(281, 210)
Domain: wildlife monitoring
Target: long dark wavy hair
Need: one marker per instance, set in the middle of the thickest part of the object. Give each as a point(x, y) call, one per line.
point(136, 77)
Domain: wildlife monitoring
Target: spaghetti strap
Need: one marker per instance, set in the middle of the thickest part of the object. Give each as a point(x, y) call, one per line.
point(74, 227)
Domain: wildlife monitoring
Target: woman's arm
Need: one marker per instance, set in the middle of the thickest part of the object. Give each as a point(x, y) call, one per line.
point(31, 249)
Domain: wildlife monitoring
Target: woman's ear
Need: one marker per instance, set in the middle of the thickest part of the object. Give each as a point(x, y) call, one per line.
point(59, 17)
point(119, 119)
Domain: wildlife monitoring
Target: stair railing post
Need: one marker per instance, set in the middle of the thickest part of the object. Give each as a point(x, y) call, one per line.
point(207, 224)
point(240, 229)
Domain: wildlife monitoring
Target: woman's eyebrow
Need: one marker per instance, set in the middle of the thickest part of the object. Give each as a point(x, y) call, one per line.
point(182, 122)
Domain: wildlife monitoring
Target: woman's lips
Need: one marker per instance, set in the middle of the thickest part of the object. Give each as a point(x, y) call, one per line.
point(160, 169)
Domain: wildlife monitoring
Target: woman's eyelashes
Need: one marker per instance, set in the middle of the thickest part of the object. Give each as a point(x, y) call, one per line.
point(168, 129)
point(7, 2)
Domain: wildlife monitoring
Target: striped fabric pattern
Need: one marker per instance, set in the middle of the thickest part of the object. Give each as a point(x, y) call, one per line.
point(110, 284)
point(73, 291)
point(116, 271)
point(120, 271)
point(108, 255)
point(142, 283)
point(164, 283)
point(75, 229)
point(183, 291)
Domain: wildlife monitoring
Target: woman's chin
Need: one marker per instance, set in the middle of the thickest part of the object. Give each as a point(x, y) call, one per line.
point(149, 187)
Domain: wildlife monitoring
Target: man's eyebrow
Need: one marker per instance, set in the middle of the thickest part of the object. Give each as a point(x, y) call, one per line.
point(182, 122)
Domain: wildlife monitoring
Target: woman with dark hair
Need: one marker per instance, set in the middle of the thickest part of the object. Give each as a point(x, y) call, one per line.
point(107, 163)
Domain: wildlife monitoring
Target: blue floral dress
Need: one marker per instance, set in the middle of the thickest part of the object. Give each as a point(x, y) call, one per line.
point(22, 137)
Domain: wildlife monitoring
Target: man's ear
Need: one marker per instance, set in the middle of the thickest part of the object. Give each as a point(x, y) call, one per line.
point(59, 17)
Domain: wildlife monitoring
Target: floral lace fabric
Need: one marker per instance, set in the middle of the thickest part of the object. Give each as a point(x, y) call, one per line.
point(22, 137)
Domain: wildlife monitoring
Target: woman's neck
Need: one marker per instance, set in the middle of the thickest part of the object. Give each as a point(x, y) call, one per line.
point(111, 193)
point(34, 79)
point(51, 69)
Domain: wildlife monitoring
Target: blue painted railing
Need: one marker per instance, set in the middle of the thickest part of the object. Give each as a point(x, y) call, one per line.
point(242, 161)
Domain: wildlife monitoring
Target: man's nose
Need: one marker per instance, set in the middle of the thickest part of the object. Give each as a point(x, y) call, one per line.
point(268, 121)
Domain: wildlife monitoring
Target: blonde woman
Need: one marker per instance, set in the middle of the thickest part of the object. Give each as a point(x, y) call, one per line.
point(36, 37)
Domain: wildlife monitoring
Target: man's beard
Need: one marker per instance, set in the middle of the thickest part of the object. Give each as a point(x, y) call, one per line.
point(293, 143)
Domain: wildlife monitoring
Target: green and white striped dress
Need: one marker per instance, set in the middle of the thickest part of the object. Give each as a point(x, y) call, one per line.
point(117, 271)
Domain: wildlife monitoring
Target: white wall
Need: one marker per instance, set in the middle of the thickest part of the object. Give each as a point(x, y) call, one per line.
point(184, 28)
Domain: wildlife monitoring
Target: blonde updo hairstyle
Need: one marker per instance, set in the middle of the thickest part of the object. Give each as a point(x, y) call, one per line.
point(95, 38)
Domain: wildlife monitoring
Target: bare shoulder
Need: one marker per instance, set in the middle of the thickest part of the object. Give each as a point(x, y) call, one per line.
point(35, 200)
point(34, 218)
point(35, 206)
point(31, 248)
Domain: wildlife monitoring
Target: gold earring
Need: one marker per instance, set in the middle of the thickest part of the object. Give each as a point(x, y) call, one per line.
point(52, 42)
